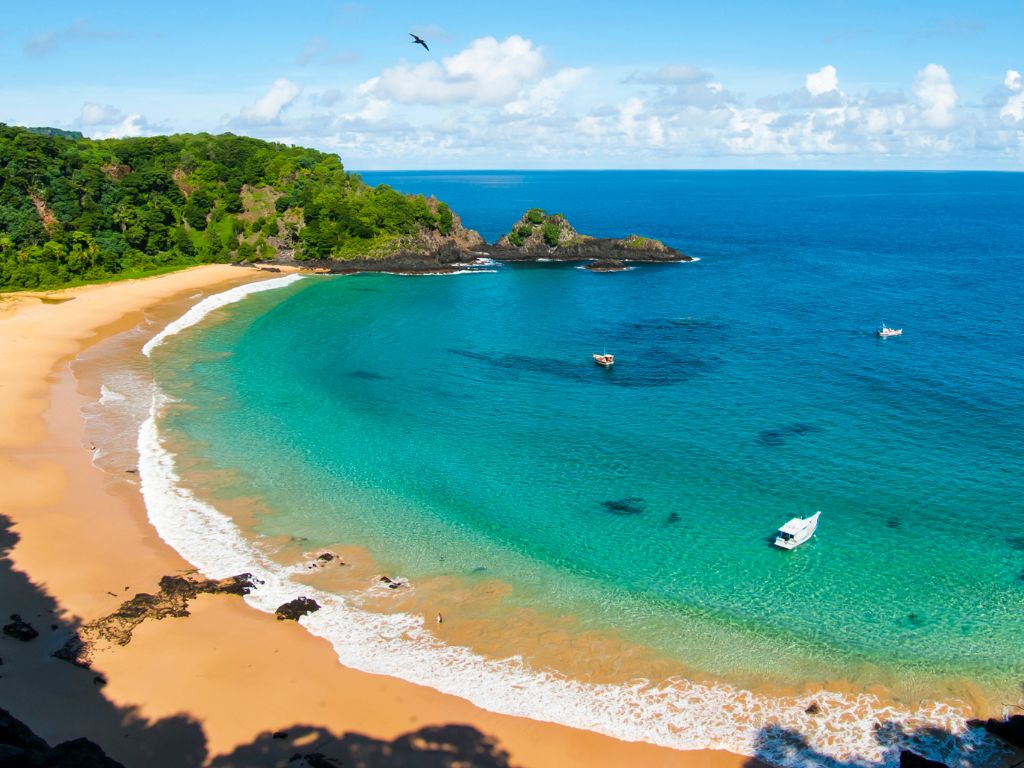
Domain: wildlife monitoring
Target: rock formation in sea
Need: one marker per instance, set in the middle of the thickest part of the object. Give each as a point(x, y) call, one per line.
point(540, 235)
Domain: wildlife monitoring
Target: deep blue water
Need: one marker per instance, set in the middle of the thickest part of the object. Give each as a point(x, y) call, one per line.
point(457, 423)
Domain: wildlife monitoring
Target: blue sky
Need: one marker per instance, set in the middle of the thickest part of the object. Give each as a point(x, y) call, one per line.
point(728, 84)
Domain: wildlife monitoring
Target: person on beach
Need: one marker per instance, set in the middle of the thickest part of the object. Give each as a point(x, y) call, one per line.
point(440, 618)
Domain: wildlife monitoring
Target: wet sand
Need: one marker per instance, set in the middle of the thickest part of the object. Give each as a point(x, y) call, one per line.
point(212, 687)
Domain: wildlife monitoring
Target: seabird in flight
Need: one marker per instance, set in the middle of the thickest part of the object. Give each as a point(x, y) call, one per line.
point(416, 39)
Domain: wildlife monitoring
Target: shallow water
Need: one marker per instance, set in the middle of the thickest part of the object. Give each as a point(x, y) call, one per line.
point(457, 428)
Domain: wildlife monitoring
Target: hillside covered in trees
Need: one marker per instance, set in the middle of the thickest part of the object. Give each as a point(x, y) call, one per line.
point(76, 210)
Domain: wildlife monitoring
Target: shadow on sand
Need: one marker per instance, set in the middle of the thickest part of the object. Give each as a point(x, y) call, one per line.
point(32, 682)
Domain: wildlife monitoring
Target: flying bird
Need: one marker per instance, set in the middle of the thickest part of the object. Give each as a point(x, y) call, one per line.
point(416, 39)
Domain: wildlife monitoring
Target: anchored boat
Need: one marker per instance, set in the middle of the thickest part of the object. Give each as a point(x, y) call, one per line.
point(885, 331)
point(796, 531)
point(604, 360)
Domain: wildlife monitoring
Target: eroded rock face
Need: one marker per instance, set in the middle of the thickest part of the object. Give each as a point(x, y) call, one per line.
point(295, 609)
point(171, 601)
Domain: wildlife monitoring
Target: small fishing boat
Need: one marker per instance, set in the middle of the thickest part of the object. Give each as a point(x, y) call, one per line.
point(796, 531)
point(885, 331)
point(604, 360)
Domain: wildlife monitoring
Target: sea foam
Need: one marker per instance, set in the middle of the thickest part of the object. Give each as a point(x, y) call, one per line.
point(675, 713)
point(209, 304)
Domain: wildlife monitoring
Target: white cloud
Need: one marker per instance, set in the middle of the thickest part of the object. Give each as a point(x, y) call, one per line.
point(488, 72)
point(1013, 109)
point(936, 95)
point(99, 114)
point(272, 104)
point(130, 125)
point(825, 80)
point(545, 97)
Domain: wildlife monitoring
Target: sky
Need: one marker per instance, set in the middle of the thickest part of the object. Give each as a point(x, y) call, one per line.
point(855, 84)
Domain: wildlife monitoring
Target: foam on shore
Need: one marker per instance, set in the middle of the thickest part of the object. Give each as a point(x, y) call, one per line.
point(206, 306)
point(675, 713)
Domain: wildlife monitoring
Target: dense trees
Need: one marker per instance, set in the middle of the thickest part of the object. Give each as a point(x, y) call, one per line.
point(74, 210)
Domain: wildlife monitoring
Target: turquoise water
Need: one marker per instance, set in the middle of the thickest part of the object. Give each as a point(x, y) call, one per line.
point(457, 427)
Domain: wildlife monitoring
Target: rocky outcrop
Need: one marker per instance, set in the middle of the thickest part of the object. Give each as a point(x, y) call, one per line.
point(19, 746)
point(538, 235)
point(1010, 730)
point(295, 609)
point(537, 230)
point(20, 629)
point(914, 760)
point(171, 601)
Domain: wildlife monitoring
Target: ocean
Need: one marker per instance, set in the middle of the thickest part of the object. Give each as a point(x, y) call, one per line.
point(598, 540)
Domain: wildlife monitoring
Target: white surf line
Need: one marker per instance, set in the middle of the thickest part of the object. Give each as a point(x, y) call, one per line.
point(211, 303)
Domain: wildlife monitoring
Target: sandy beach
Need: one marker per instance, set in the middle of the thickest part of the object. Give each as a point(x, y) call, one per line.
point(227, 685)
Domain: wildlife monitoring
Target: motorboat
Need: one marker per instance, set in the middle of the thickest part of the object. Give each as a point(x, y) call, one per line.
point(885, 331)
point(604, 360)
point(796, 531)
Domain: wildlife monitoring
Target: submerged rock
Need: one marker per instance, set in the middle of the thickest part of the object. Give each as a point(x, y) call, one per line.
point(20, 629)
point(295, 609)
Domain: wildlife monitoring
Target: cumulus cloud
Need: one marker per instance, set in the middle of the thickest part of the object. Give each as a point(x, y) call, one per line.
point(825, 80)
point(936, 95)
point(130, 125)
point(1013, 109)
point(488, 72)
point(269, 108)
point(99, 114)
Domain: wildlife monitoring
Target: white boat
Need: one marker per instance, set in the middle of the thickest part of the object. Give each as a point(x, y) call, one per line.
point(885, 331)
point(796, 531)
point(604, 360)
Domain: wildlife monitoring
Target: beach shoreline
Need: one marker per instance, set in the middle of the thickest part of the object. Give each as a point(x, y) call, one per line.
point(84, 545)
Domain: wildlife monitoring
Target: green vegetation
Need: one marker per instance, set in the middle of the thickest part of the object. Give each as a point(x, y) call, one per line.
point(552, 233)
point(535, 215)
point(56, 132)
point(74, 210)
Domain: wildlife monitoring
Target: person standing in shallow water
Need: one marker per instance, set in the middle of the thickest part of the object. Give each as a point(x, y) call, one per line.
point(440, 618)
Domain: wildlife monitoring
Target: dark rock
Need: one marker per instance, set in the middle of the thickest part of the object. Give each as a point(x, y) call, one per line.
point(326, 557)
point(295, 609)
point(280, 734)
point(672, 519)
point(385, 579)
point(1010, 730)
point(608, 265)
point(813, 709)
point(15, 733)
point(171, 601)
point(79, 753)
point(54, 627)
point(20, 629)
point(99, 681)
point(914, 760)
point(132, 471)
point(21, 748)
